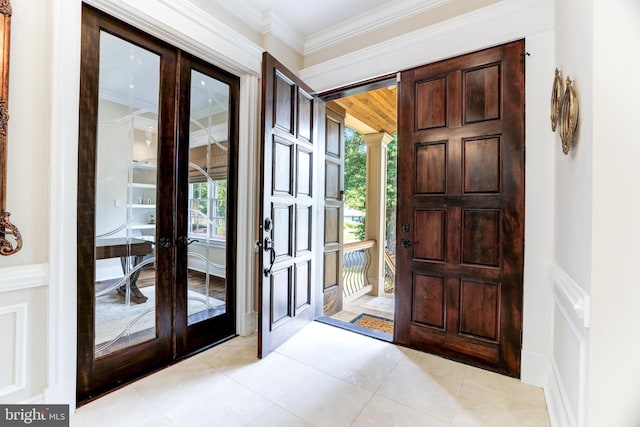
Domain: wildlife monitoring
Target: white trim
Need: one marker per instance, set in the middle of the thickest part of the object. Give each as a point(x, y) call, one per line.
point(186, 26)
point(63, 169)
point(274, 25)
point(246, 13)
point(538, 368)
point(20, 348)
point(35, 400)
point(246, 315)
point(24, 277)
point(505, 21)
point(571, 302)
point(555, 397)
point(369, 21)
point(565, 287)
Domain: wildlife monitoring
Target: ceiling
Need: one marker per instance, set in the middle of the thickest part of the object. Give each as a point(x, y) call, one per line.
point(310, 16)
point(309, 26)
point(376, 109)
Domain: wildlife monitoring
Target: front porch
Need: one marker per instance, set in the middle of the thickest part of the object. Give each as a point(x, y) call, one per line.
point(369, 188)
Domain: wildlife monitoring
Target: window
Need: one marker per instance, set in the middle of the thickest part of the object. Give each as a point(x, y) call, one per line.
point(208, 209)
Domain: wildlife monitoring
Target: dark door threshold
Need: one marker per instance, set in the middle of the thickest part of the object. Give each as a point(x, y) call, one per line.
point(355, 328)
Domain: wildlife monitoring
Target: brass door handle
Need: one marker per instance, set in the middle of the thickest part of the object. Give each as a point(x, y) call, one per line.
point(270, 247)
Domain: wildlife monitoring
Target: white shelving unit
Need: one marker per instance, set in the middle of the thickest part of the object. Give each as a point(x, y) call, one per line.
point(143, 196)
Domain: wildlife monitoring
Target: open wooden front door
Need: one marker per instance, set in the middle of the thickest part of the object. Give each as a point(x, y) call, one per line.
point(332, 287)
point(461, 208)
point(289, 132)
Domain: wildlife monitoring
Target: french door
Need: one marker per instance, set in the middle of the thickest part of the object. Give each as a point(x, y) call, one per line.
point(461, 208)
point(156, 205)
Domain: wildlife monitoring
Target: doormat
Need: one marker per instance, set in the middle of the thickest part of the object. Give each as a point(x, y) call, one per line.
point(374, 322)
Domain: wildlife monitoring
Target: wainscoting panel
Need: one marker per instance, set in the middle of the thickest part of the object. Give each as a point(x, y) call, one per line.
point(13, 352)
point(568, 384)
point(23, 322)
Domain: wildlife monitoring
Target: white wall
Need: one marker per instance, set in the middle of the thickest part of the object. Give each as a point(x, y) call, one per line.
point(614, 365)
point(574, 58)
point(28, 133)
point(24, 276)
point(573, 219)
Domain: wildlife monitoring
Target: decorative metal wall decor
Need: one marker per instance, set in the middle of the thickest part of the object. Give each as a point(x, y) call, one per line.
point(556, 97)
point(568, 117)
point(7, 229)
point(564, 111)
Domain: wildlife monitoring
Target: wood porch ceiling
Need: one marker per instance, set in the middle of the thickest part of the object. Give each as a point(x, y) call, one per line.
point(375, 108)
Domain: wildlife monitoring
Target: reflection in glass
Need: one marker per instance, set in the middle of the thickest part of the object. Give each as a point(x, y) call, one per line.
point(126, 161)
point(207, 210)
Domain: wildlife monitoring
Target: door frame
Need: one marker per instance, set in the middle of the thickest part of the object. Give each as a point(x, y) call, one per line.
point(174, 340)
point(374, 83)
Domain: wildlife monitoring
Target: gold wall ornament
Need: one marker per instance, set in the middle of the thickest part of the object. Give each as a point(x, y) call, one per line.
point(5, 7)
point(568, 117)
point(556, 97)
point(6, 227)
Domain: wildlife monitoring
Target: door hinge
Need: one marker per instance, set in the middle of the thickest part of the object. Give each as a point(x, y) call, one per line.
point(398, 77)
point(521, 338)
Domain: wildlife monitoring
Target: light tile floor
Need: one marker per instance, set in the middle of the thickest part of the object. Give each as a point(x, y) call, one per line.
point(323, 376)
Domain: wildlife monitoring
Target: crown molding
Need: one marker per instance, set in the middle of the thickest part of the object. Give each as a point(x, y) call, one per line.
point(371, 20)
point(505, 21)
point(268, 22)
point(272, 24)
point(246, 13)
point(265, 21)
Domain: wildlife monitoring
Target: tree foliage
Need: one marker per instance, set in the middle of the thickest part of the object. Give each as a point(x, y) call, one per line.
point(355, 170)
point(355, 178)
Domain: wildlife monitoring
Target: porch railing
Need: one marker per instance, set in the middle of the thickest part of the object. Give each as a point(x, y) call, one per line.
point(356, 263)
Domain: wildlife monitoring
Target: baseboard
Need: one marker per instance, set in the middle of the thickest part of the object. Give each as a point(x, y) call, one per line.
point(536, 369)
point(559, 413)
point(249, 324)
point(539, 371)
point(35, 400)
point(62, 393)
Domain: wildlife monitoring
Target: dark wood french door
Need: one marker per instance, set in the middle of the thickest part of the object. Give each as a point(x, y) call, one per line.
point(156, 204)
point(461, 208)
point(289, 145)
point(206, 201)
point(333, 285)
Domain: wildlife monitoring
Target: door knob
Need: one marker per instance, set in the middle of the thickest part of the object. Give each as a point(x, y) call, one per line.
point(269, 247)
point(406, 243)
point(164, 243)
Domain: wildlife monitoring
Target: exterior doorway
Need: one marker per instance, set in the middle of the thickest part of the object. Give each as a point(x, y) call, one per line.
point(368, 117)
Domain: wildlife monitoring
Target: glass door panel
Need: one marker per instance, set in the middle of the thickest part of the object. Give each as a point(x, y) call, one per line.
point(207, 202)
point(125, 195)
